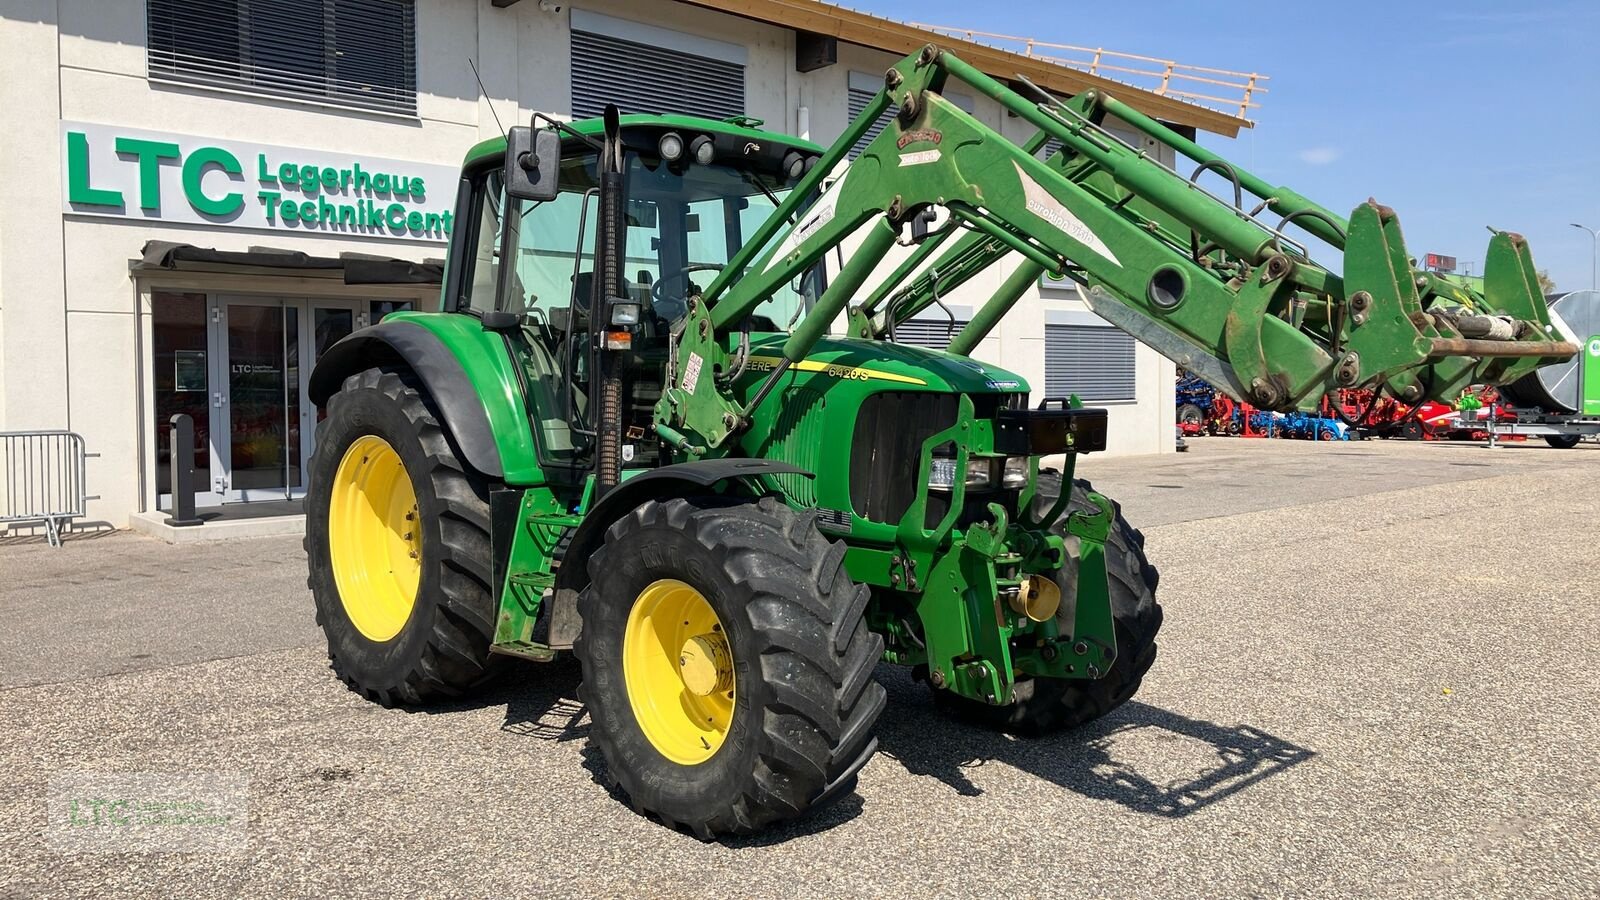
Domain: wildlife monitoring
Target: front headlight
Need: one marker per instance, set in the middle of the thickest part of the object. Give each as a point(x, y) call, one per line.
point(1016, 472)
point(980, 473)
point(942, 473)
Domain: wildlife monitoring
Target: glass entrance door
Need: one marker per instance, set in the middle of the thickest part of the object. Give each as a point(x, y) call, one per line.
point(260, 437)
point(264, 423)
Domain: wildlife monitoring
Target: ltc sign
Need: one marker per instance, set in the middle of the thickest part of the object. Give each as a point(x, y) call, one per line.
point(126, 173)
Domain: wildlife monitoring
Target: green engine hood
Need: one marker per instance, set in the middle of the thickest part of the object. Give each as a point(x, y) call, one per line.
point(854, 359)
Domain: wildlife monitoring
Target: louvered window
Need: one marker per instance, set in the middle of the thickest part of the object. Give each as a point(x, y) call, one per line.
point(864, 87)
point(1093, 361)
point(350, 53)
point(860, 96)
point(642, 78)
point(934, 333)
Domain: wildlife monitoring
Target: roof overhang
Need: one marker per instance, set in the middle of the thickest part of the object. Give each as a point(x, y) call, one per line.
point(353, 268)
point(901, 39)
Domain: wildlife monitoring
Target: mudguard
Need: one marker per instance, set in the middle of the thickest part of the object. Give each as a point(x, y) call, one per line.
point(468, 374)
point(680, 480)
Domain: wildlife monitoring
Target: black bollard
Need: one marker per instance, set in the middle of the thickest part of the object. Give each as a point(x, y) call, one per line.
point(181, 439)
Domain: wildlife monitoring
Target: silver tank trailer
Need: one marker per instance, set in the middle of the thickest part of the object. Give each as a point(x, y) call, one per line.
point(1554, 389)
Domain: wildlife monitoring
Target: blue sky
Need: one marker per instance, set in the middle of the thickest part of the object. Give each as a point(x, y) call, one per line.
point(1459, 115)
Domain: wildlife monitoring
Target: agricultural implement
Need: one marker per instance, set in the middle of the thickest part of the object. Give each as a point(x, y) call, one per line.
point(629, 432)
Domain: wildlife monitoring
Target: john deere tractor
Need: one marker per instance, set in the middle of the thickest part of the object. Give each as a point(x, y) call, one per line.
point(651, 425)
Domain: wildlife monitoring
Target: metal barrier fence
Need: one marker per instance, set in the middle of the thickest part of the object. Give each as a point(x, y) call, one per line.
point(44, 479)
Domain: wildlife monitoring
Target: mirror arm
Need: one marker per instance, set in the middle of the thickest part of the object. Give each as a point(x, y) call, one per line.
point(563, 127)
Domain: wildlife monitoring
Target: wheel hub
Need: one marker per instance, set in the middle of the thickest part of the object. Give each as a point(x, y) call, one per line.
point(375, 538)
point(679, 671)
point(705, 664)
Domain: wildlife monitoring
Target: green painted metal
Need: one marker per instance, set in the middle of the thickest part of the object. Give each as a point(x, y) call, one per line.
point(540, 525)
point(493, 150)
point(1590, 401)
point(1206, 283)
point(493, 374)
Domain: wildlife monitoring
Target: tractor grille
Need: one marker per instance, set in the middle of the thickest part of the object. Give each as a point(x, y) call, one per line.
point(886, 450)
point(797, 439)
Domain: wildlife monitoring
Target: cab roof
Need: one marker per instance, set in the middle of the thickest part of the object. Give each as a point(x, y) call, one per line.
point(741, 127)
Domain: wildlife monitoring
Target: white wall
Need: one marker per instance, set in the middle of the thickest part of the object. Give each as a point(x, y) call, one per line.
point(73, 349)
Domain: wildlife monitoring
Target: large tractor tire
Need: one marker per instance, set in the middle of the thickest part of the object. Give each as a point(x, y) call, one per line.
point(397, 540)
point(1043, 705)
point(727, 665)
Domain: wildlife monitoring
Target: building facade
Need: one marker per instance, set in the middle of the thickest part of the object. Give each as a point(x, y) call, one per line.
point(190, 185)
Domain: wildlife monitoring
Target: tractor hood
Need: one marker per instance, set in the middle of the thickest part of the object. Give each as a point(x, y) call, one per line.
point(901, 365)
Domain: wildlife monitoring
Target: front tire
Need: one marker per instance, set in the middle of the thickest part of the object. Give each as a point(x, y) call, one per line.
point(1043, 705)
point(1191, 415)
point(727, 665)
point(397, 542)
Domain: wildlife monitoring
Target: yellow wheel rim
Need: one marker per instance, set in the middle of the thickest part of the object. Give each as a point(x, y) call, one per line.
point(375, 538)
point(679, 671)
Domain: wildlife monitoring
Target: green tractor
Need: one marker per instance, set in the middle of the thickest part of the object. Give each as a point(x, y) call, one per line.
point(645, 424)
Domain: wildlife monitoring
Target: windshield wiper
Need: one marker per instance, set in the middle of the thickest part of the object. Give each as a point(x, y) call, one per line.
point(745, 174)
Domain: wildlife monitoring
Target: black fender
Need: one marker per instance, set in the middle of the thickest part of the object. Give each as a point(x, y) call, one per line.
point(460, 408)
point(681, 480)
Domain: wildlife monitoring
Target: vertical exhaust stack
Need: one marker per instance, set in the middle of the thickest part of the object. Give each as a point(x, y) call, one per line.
point(610, 244)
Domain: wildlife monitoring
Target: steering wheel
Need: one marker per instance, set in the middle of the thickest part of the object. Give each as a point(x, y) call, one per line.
point(683, 273)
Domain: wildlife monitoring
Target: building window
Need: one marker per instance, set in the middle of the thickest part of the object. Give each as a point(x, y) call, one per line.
point(864, 87)
point(933, 333)
point(645, 69)
point(378, 309)
point(350, 53)
point(1096, 362)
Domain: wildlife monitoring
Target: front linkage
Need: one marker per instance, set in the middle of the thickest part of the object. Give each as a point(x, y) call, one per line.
point(1005, 595)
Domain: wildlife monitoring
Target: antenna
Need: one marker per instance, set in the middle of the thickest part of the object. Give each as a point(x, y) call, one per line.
point(485, 92)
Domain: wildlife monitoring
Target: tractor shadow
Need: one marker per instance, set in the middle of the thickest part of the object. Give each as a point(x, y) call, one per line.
point(1141, 757)
point(1199, 763)
point(541, 702)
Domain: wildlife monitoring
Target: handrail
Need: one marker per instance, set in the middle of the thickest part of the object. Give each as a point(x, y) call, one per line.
point(1165, 73)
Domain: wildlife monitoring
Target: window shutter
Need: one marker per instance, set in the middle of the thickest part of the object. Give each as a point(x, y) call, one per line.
point(640, 78)
point(352, 53)
point(933, 333)
point(1093, 361)
point(859, 99)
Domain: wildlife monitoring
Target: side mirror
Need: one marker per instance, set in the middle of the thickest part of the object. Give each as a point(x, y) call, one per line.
point(533, 163)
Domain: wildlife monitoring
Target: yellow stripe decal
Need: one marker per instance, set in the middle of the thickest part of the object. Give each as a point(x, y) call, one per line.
point(768, 363)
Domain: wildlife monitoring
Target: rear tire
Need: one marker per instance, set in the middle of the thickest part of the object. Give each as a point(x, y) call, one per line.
point(796, 724)
point(1043, 705)
point(1562, 441)
point(439, 646)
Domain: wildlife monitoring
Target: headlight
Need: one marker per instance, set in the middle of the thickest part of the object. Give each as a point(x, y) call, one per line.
point(670, 147)
point(980, 473)
point(942, 473)
point(1016, 472)
point(624, 313)
point(704, 149)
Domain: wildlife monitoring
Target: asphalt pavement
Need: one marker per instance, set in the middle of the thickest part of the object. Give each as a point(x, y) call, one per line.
point(1376, 678)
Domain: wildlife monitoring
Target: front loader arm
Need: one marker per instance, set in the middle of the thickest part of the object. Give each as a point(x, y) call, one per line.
point(1202, 280)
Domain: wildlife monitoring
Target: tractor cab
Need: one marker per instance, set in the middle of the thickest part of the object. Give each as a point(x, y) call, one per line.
point(693, 192)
